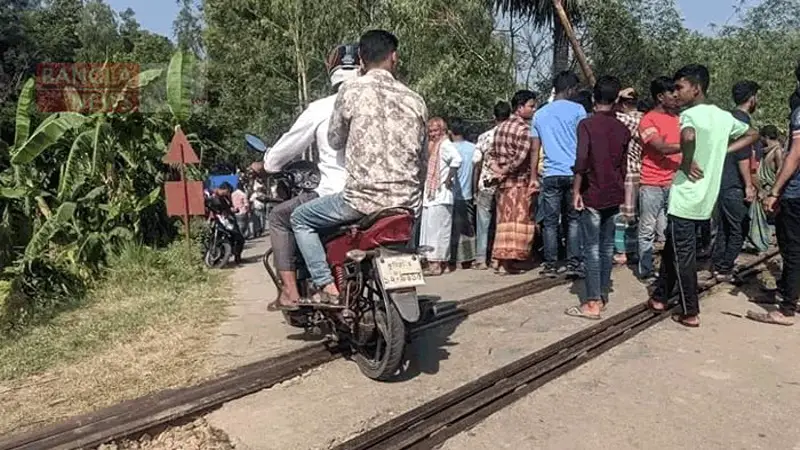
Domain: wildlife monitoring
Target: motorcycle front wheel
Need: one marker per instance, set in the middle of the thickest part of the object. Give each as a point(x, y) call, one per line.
point(217, 256)
point(381, 357)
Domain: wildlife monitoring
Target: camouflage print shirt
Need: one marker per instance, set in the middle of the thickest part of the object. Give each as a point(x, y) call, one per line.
point(380, 124)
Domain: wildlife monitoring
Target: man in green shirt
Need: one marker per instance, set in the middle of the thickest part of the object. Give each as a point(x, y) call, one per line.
point(708, 134)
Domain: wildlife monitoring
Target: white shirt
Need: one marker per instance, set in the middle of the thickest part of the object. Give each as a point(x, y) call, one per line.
point(449, 158)
point(257, 187)
point(311, 127)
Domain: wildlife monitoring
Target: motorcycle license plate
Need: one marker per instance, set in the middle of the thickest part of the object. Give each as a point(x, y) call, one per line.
point(401, 271)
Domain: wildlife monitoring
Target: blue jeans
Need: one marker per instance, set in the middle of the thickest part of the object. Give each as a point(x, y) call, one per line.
point(557, 194)
point(653, 202)
point(307, 220)
point(598, 227)
point(484, 203)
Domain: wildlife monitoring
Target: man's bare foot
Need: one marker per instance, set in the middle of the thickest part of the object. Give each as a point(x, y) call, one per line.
point(592, 307)
point(656, 305)
point(331, 290)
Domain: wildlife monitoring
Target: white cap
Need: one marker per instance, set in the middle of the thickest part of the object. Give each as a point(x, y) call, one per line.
point(343, 74)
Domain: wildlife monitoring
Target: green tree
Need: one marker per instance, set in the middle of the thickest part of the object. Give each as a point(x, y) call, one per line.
point(266, 57)
point(543, 14)
point(188, 27)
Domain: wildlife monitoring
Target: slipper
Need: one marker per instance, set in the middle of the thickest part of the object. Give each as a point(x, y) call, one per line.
point(605, 304)
point(278, 306)
point(766, 318)
point(679, 319)
point(576, 311)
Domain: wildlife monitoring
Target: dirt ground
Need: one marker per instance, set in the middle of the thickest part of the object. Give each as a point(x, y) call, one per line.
point(332, 402)
point(731, 384)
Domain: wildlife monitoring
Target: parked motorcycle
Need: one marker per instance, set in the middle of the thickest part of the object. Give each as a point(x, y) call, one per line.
point(374, 267)
point(218, 241)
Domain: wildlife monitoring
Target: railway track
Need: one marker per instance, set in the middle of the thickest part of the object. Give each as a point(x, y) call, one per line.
point(146, 413)
point(429, 425)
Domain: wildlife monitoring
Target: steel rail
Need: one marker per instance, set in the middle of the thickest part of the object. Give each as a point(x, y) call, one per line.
point(431, 424)
point(135, 416)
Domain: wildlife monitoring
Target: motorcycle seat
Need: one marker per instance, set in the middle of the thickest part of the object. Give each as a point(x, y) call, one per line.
point(369, 220)
point(365, 222)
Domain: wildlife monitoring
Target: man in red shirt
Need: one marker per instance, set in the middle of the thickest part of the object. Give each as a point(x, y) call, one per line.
point(660, 134)
point(598, 190)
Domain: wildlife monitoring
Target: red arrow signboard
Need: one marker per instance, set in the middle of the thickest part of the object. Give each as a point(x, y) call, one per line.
point(184, 198)
point(180, 151)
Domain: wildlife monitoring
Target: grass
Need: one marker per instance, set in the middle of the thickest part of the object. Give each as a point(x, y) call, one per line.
point(147, 326)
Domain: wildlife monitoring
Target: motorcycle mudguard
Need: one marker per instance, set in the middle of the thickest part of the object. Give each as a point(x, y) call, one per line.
point(407, 303)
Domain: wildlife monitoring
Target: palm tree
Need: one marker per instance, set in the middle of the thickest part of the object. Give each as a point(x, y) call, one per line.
point(543, 13)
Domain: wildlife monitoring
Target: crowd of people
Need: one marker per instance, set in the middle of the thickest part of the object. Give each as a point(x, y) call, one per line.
point(579, 172)
point(585, 172)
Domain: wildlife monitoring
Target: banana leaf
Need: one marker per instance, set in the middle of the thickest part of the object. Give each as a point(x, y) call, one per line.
point(47, 134)
point(45, 233)
point(23, 126)
point(179, 82)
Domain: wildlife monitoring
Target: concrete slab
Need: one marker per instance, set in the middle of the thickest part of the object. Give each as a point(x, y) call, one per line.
point(335, 401)
point(731, 384)
point(252, 333)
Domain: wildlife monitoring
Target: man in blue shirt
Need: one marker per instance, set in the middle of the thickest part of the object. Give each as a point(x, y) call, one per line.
point(784, 198)
point(462, 239)
point(555, 128)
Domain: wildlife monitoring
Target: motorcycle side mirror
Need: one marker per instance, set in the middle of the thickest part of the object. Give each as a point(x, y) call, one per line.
point(255, 143)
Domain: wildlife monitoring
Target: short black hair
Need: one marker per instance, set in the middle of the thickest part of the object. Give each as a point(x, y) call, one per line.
point(606, 90)
point(583, 98)
point(502, 111)
point(225, 186)
point(458, 127)
point(769, 132)
point(744, 90)
point(565, 81)
point(696, 74)
point(661, 85)
point(376, 45)
point(644, 105)
point(522, 97)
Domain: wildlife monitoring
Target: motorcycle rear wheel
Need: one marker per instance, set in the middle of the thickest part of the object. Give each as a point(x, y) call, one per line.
point(217, 257)
point(386, 349)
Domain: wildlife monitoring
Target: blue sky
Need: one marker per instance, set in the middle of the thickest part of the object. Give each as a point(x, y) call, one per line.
point(157, 15)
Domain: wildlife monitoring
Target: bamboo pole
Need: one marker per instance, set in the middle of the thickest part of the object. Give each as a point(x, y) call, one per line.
point(576, 47)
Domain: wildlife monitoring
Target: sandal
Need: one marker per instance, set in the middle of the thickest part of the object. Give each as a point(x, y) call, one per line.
point(768, 318)
point(681, 319)
point(321, 300)
point(576, 311)
point(278, 306)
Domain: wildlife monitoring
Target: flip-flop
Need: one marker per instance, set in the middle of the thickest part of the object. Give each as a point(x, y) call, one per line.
point(678, 318)
point(278, 306)
point(766, 318)
point(576, 311)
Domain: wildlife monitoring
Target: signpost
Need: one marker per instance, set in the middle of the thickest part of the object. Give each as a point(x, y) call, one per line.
point(184, 198)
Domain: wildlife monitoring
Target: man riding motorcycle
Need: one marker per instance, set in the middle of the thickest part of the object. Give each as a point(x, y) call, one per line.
point(381, 125)
point(311, 128)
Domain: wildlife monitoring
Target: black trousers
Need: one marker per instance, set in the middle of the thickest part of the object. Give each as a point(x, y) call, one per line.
point(787, 228)
point(732, 215)
point(679, 263)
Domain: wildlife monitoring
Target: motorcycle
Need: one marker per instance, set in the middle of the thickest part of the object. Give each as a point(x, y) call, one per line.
point(218, 241)
point(374, 267)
